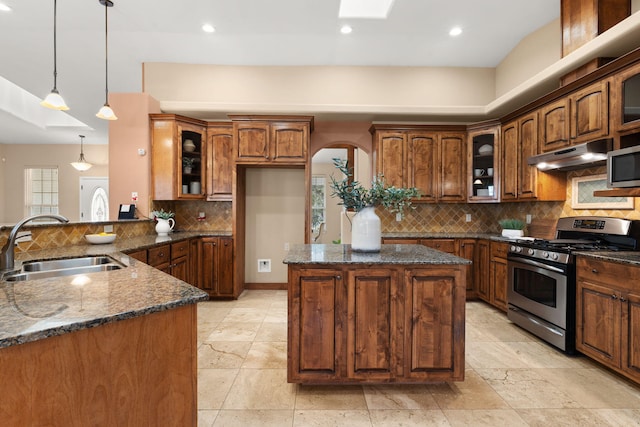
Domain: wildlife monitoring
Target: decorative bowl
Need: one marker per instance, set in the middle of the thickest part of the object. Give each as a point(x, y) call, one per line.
point(485, 149)
point(100, 239)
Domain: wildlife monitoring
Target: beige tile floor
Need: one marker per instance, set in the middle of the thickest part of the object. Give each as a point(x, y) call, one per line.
point(512, 379)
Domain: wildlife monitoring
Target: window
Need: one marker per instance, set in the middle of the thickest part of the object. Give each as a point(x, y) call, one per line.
point(41, 190)
point(318, 200)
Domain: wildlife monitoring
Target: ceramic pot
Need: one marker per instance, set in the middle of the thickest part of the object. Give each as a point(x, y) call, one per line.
point(187, 169)
point(512, 233)
point(366, 234)
point(188, 146)
point(164, 226)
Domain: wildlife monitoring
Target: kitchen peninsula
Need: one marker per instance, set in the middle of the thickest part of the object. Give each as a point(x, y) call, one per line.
point(110, 348)
point(394, 316)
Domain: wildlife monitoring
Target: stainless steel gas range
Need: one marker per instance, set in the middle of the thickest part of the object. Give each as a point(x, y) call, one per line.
point(541, 291)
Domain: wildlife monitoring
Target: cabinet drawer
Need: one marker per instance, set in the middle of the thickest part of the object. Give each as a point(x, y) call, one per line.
point(179, 249)
point(619, 276)
point(444, 245)
point(499, 249)
point(159, 255)
point(400, 241)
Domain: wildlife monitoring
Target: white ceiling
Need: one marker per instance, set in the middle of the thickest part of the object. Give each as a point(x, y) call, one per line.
point(248, 32)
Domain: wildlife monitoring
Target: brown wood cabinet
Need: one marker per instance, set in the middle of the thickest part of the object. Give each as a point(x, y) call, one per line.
point(483, 167)
point(170, 258)
point(555, 132)
point(216, 276)
point(179, 266)
point(169, 132)
point(608, 314)
point(271, 139)
point(482, 267)
point(466, 248)
point(219, 161)
point(160, 257)
point(519, 181)
point(140, 255)
point(429, 158)
point(590, 112)
point(369, 325)
point(498, 275)
point(625, 104)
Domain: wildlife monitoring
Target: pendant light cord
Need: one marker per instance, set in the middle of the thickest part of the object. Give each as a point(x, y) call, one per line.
point(55, 56)
point(106, 54)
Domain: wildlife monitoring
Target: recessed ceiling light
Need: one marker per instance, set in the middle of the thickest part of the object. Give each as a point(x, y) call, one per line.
point(378, 9)
point(455, 31)
point(4, 8)
point(346, 29)
point(208, 28)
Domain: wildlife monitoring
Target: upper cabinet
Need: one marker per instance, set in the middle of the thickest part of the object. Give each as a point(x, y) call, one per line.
point(581, 116)
point(271, 139)
point(430, 158)
point(178, 157)
point(625, 104)
point(483, 162)
point(519, 180)
point(219, 161)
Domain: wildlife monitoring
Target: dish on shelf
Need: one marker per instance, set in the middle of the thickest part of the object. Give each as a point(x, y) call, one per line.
point(100, 239)
point(485, 149)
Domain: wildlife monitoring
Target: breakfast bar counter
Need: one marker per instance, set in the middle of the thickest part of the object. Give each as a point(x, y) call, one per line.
point(394, 316)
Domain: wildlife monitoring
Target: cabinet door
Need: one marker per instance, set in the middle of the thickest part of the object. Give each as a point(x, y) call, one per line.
point(482, 268)
point(499, 284)
point(374, 324)
point(434, 323)
point(251, 141)
point(631, 335)
point(510, 160)
point(624, 105)
point(590, 112)
point(160, 257)
point(225, 267)
point(483, 164)
point(316, 345)
point(467, 250)
point(598, 322)
point(452, 152)
point(528, 143)
point(289, 142)
point(554, 126)
point(421, 170)
point(391, 157)
point(209, 266)
point(219, 162)
point(195, 255)
point(180, 268)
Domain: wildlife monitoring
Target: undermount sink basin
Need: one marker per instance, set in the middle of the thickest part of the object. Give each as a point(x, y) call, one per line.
point(33, 270)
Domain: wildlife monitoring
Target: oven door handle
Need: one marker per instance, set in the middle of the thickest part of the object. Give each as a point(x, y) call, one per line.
point(537, 264)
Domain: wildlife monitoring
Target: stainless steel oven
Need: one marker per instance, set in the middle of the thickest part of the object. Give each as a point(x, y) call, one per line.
point(541, 293)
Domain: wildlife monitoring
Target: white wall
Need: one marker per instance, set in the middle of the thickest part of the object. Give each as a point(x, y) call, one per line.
point(275, 205)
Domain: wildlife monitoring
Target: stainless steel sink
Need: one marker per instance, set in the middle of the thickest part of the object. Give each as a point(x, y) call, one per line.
point(33, 270)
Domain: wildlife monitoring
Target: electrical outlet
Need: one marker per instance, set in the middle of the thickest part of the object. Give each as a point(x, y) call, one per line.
point(528, 218)
point(264, 266)
point(398, 216)
point(134, 196)
point(467, 217)
point(286, 246)
point(108, 228)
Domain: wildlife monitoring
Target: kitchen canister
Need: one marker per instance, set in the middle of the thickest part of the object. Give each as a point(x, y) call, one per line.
point(188, 146)
point(185, 189)
point(195, 187)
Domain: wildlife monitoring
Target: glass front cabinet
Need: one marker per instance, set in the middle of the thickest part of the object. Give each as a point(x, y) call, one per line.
point(626, 106)
point(483, 165)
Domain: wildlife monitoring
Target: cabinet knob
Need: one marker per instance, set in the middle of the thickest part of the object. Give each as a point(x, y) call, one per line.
point(614, 296)
point(622, 299)
point(339, 277)
point(594, 270)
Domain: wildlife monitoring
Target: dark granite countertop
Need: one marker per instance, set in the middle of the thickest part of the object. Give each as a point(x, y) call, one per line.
point(37, 309)
point(389, 254)
point(624, 257)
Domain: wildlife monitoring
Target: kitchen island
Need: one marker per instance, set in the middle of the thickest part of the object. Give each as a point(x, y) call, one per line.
point(395, 316)
point(107, 348)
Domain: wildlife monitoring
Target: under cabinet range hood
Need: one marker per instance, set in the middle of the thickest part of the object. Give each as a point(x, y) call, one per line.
point(589, 154)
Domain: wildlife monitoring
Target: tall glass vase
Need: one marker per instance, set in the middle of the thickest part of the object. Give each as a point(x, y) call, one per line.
point(366, 235)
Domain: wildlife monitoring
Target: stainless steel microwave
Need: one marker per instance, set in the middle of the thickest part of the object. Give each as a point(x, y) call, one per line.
point(623, 167)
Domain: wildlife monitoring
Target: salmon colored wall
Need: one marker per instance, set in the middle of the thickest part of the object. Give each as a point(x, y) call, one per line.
point(129, 171)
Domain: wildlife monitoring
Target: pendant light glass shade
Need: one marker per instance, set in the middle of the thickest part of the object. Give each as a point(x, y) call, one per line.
point(106, 112)
point(54, 100)
point(81, 165)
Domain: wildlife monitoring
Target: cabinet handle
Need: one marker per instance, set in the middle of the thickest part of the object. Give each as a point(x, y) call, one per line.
point(614, 296)
point(622, 299)
point(594, 270)
point(338, 277)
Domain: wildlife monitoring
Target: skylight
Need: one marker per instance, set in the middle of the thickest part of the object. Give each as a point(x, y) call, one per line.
point(375, 9)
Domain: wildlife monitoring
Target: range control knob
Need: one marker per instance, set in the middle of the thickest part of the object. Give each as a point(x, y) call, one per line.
point(512, 248)
point(554, 256)
point(545, 254)
point(518, 249)
point(531, 251)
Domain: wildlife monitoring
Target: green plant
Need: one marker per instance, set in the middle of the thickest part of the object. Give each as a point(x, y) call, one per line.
point(354, 196)
point(162, 214)
point(187, 162)
point(511, 224)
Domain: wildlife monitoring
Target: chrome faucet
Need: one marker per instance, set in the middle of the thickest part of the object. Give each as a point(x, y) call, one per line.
point(7, 253)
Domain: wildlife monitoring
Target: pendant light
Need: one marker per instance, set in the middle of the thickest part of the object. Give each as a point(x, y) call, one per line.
point(106, 112)
point(81, 165)
point(54, 100)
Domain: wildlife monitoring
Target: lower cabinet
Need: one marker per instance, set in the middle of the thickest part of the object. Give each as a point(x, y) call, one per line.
point(482, 267)
point(498, 275)
point(466, 248)
point(608, 314)
point(216, 267)
point(377, 324)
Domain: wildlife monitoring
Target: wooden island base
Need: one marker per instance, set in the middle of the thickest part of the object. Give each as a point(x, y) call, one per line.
point(377, 323)
point(135, 372)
